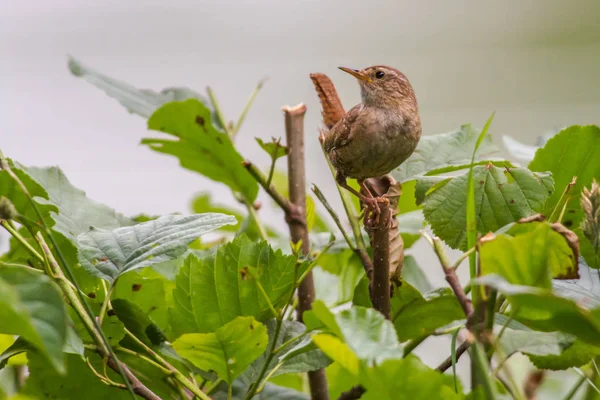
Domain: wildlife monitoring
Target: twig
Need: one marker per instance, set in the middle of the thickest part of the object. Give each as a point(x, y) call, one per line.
point(450, 273)
point(280, 199)
point(215, 103)
point(460, 350)
point(294, 129)
point(354, 393)
point(380, 294)
point(136, 385)
point(333, 215)
point(242, 117)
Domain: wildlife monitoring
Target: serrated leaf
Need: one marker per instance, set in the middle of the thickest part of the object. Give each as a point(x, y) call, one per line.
point(436, 154)
point(542, 310)
point(502, 196)
point(215, 289)
point(109, 253)
point(529, 254)
point(32, 306)
point(274, 148)
point(228, 351)
point(535, 343)
point(436, 309)
point(199, 146)
point(142, 102)
point(575, 151)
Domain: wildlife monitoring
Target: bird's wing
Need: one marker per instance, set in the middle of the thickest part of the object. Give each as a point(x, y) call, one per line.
point(341, 133)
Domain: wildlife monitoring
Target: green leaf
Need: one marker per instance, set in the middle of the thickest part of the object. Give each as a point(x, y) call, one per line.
point(436, 154)
point(274, 148)
point(228, 351)
point(410, 225)
point(576, 355)
point(534, 343)
point(436, 309)
point(142, 102)
point(32, 306)
point(364, 331)
point(213, 290)
point(542, 310)
point(138, 323)
point(531, 257)
point(300, 355)
point(407, 379)
point(414, 275)
point(149, 291)
point(572, 152)
point(109, 253)
point(199, 146)
point(78, 383)
point(502, 196)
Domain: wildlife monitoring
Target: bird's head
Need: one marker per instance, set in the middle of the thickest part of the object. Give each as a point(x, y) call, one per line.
point(383, 86)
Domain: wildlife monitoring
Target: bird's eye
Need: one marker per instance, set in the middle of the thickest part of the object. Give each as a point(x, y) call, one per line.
point(379, 74)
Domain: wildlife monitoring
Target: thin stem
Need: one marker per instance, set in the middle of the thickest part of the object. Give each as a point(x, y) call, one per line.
point(450, 273)
point(460, 350)
point(174, 371)
point(215, 103)
point(413, 344)
point(573, 391)
point(273, 162)
point(106, 302)
point(6, 225)
point(314, 262)
point(333, 215)
point(463, 257)
point(242, 117)
point(253, 388)
point(269, 188)
point(252, 211)
point(214, 386)
point(105, 351)
point(566, 190)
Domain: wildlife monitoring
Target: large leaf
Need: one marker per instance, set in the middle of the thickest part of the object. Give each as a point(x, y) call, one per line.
point(109, 253)
point(542, 310)
point(575, 151)
point(436, 309)
point(445, 152)
point(215, 289)
point(32, 306)
point(502, 196)
point(138, 323)
point(362, 331)
point(200, 146)
point(228, 351)
point(576, 355)
point(142, 102)
point(532, 257)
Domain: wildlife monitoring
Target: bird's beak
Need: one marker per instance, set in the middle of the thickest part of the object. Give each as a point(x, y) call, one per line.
point(357, 74)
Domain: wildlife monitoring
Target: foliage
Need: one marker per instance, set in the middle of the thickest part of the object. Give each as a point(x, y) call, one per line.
point(203, 304)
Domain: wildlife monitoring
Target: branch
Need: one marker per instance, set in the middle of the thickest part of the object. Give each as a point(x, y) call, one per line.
point(451, 277)
point(380, 293)
point(296, 219)
point(287, 207)
point(136, 385)
point(460, 350)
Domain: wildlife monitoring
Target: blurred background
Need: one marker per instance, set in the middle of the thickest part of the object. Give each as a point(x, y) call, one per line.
point(535, 62)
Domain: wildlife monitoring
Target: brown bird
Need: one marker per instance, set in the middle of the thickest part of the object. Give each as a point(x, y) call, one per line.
point(377, 135)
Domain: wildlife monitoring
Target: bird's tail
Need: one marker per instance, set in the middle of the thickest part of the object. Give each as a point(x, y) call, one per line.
point(331, 105)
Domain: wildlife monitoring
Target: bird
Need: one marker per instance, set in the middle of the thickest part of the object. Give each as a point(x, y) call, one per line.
point(378, 134)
